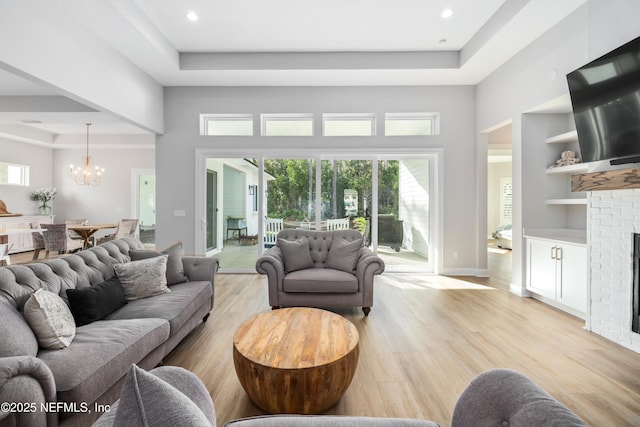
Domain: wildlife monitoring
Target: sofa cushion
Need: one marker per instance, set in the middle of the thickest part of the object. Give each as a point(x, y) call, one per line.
point(320, 280)
point(295, 254)
point(144, 278)
point(96, 302)
point(16, 336)
point(343, 254)
point(176, 307)
point(147, 400)
point(101, 353)
point(175, 269)
point(50, 319)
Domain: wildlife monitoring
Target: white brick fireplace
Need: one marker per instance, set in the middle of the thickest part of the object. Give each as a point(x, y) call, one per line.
point(613, 217)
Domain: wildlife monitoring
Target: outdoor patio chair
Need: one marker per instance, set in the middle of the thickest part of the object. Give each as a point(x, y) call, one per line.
point(272, 226)
point(338, 224)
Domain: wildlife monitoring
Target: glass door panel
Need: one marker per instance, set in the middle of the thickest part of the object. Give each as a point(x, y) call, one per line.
point(290, 196)
point(404, 214)
point(346, 193)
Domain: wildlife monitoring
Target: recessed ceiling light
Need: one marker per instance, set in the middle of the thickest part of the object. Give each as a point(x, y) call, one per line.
point(447, 13)
point(192, 16)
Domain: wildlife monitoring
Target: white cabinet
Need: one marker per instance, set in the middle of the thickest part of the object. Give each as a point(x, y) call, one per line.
point(557, 270)
point(22, 240)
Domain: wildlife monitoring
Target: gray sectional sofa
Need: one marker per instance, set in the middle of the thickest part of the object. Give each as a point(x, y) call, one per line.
point(64, 386)
point(495, 398)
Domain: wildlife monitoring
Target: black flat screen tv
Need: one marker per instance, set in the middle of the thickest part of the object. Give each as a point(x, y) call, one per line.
point(605, 95)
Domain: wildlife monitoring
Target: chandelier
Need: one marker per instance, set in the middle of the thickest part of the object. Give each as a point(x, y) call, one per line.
point(87, 174)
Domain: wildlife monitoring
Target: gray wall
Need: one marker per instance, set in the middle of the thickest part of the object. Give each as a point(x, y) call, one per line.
point(175, 150)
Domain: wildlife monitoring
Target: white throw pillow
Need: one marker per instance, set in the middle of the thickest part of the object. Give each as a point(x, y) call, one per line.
point(50, 319)
point(143, 278)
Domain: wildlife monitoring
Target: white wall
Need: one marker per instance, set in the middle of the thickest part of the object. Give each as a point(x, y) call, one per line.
point(413, 203)
point(39, 160)
point(176, 148)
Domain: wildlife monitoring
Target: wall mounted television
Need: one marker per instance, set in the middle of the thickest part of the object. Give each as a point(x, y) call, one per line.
point(605, 94)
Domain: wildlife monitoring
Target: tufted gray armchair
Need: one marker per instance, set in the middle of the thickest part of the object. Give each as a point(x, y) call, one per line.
point(320, 269)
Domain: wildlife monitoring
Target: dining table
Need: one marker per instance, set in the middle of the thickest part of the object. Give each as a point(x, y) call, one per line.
point(85, 231)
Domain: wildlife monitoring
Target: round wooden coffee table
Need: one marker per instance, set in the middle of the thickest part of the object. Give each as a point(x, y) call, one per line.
point(296, 360)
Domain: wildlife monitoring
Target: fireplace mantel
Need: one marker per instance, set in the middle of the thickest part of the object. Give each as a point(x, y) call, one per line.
point(620, 179)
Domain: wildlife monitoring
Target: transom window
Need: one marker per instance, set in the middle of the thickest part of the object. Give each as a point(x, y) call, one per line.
point(348, 124)
point(287, 124)
point(14, 174)
point(226, 124)
point(408, 124)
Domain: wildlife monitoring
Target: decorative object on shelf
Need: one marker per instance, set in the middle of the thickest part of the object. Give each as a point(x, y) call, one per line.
point(5, 212)
point(87, 174)
point(44, 195)
point(567, 158)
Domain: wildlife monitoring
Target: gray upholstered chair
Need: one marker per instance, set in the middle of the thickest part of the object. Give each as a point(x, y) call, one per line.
point(320, 269)
point(56, 238)
point(126, 228)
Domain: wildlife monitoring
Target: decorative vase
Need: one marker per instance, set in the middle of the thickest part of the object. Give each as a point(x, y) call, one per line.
point(44, 209)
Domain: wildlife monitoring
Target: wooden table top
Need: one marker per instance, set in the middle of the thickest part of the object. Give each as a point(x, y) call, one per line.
point(295, 338)
point(90, 226)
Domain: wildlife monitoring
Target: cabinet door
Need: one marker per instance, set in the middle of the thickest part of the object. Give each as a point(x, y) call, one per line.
point(541, 267)
point(572, 276)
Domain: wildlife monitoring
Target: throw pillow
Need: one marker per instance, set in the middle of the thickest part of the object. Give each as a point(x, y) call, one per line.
point(50, 319)
point(295, 254)
point(144, 278)
point(96, 302)
point(175, 269)
point(147, 400)
point(343, 255)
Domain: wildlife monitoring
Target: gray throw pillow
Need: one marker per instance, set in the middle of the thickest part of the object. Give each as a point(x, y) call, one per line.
point(175, 269)
point(343, 255)
point(295, 254)
point(50, 319)
point(144, 278)
point(147, 400)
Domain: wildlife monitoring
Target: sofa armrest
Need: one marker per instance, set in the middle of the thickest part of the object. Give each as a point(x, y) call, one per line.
point(200, 268)
point(506, 397)
point(27, 382)
point(368, 264)
point(272, 264)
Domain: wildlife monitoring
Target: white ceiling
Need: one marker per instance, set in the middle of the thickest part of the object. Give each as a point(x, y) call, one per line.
point(280, 42)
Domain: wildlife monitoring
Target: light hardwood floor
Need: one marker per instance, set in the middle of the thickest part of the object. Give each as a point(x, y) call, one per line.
point(425, 339)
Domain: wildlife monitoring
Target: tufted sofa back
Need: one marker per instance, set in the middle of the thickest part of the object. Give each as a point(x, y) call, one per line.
point(79, 270)
point(320, 241)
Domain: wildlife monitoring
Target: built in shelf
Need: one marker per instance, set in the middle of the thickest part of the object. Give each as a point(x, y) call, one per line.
point(567, 201)
point(563, 138)
point(568, 235)
point(577, 168)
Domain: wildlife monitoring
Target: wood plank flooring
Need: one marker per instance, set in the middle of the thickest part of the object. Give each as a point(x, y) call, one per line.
point(425, 339)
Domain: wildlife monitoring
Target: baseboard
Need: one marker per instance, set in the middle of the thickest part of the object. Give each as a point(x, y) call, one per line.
point(465, 272)
point(518, 290)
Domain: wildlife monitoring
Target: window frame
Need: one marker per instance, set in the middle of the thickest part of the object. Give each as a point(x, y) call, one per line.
point(206, 118)
point(265, 117)
point(348, 117)
point(24, 174)
point(434, 118)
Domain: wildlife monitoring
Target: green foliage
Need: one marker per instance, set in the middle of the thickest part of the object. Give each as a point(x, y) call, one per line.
point(360, 224)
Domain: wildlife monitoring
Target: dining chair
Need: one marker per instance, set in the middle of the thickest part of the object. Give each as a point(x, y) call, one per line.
point(4, 253)
point(77, 221)
point(38, 239)
point(126, 228)
point(56, 238)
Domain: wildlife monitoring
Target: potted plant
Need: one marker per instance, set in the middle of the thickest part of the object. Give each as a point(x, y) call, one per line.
point(44, 195)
